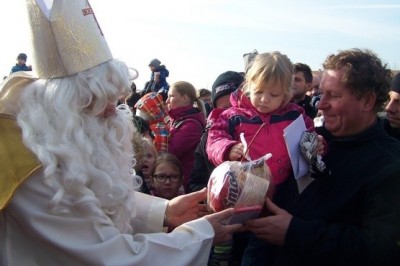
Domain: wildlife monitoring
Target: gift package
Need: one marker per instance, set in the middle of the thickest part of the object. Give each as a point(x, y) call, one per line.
point(239, 185)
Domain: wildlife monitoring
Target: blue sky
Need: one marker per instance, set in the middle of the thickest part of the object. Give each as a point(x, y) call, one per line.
point(198, 40)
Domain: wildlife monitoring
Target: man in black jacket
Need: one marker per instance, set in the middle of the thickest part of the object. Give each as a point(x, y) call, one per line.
point(350, 213)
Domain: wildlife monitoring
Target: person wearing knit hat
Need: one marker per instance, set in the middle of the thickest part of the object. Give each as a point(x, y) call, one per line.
point(158, 79)
point(392, 123)
point(225, 84)
point(21, 64)
point(395, 85)
point(155, 63)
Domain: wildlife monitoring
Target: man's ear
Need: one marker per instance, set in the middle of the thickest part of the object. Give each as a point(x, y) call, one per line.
point(369, 101)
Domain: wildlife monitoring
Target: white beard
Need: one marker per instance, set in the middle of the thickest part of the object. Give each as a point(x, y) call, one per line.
point(87, 159)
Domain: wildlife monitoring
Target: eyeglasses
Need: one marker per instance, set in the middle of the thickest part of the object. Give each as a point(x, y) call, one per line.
point(161, 178)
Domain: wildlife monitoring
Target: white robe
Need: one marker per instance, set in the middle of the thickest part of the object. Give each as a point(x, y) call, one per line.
point(30, 235)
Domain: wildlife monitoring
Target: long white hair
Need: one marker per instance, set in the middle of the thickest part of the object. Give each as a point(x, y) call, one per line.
point(87, 158)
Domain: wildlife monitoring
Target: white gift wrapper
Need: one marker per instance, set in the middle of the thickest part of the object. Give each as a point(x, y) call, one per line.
point(239, 185)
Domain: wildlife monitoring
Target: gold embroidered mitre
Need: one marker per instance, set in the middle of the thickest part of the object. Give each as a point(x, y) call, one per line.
point(66, 37)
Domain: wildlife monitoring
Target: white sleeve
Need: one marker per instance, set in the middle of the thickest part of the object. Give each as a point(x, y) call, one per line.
point(33, 236)
point(150, 212)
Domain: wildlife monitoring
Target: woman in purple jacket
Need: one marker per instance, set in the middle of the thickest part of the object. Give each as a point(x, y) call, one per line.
point(187, 121)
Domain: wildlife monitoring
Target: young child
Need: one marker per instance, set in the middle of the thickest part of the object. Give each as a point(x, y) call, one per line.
point(21, 64)
point(261, 111)
point(143, 168)
point(166, 176)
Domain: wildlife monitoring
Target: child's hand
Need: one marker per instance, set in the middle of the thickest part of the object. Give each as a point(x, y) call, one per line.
point(236, 152)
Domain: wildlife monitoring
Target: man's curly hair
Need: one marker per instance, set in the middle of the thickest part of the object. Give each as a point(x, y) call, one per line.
point(363, 72)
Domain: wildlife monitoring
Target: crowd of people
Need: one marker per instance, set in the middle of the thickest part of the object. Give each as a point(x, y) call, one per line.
point(96, 172)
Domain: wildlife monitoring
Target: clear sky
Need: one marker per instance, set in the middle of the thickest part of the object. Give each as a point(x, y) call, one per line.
point(198, 40)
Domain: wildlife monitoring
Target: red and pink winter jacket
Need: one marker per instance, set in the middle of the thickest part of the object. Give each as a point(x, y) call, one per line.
point(263, 133)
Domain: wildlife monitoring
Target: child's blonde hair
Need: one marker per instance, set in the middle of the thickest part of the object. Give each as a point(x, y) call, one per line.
point(140, 146)
point(148, 143)
point(270, 67)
